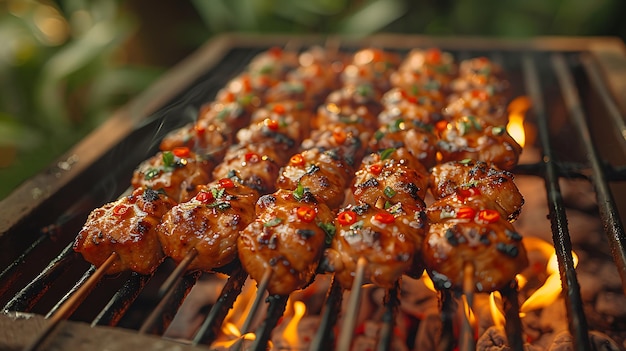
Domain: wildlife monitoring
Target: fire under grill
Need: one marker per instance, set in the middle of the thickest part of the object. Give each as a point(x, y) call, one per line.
point(575, 131)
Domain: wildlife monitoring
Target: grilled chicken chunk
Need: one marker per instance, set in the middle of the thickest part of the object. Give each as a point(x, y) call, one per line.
point(210, 222)
point(322, 173)
point(466, 138)
point(287, 237)
point(391, 176)
point(128, 228)
point(176, 172)
point(255, 165)
point(389, 240)
point(463, 232)
point(475, 179)
point(413, 136)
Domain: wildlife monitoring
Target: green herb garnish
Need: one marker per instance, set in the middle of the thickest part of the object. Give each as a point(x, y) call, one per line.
point(386, 153)
point(273, 222)
point(329, 229)
point(389, 192)
point(152, 172)
point(298, 193)
point(168, 159)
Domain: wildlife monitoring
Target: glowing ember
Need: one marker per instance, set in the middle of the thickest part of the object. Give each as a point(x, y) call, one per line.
point(517, 109)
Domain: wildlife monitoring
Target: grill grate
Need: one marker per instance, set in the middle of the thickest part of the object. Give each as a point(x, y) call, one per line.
point(39, 265)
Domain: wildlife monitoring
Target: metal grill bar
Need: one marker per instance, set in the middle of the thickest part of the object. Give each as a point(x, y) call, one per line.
point(560, 233)
point(210, 328)
point(31, 293)
point(121, 301)
point(324, 338)
point(160, 318)
point(608, 212)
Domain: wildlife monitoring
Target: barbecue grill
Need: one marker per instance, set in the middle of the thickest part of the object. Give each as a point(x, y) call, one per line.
point(578, 91)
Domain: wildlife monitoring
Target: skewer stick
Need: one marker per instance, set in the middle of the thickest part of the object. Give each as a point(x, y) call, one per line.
point(261, 287)
point(467, 332)
point(265, 281)
point(177, 273)
point(349, 320)
point(70, 305)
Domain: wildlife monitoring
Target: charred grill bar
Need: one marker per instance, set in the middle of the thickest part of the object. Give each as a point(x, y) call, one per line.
point(39, 270)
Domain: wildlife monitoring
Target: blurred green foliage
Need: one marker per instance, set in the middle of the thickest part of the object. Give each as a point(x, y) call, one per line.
point(65, 65)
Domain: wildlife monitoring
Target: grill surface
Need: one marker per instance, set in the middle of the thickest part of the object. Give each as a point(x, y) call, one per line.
point(581, 81)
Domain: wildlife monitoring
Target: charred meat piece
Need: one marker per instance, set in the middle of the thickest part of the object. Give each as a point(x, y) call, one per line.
point(424, 67)
point(176, 172)
point(346, 140)
point(490, 108)
point(466, 138)
point(254, 165)
point(287, 237)
point(372, 66)
point(479, 72)
point(127, 227)
point(210, 222)
point(203, 139)
point(350, 105)
point(283, 125)
point(416, 137)
point(423, 108)
point(475, 179)
point(471, 233)
point(388, 178)
point(390, 240)
point(324, 174)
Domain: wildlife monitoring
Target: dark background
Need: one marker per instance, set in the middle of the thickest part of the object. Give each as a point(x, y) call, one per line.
point(65, 65)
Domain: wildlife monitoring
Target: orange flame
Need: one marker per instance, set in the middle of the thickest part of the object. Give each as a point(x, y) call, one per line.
point(428, 282)
point(469, 313)
point(496, 314)
point(290, 334)
point(517, 109)
point(551, 288)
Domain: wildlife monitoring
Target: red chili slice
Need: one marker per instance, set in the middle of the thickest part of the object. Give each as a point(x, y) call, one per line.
point(181, 151)
point(384, 217)
point(229, 97)
point(200, 130)
point(346, 217)
point(120, 210)
point(246, 84)
point(376, 168)
point(489, 216)
point(306, 214)
point(280, 109)
point(412, 99)
point(433, 56)
point(205, 197)
point(340, 136)
point(467, 192)
point(226, 183)
point(480, 94)
point(465, 213)
point(296, 160)
point(275, 51)
point(441, 125)
point(271, 124)
point(252, 157)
